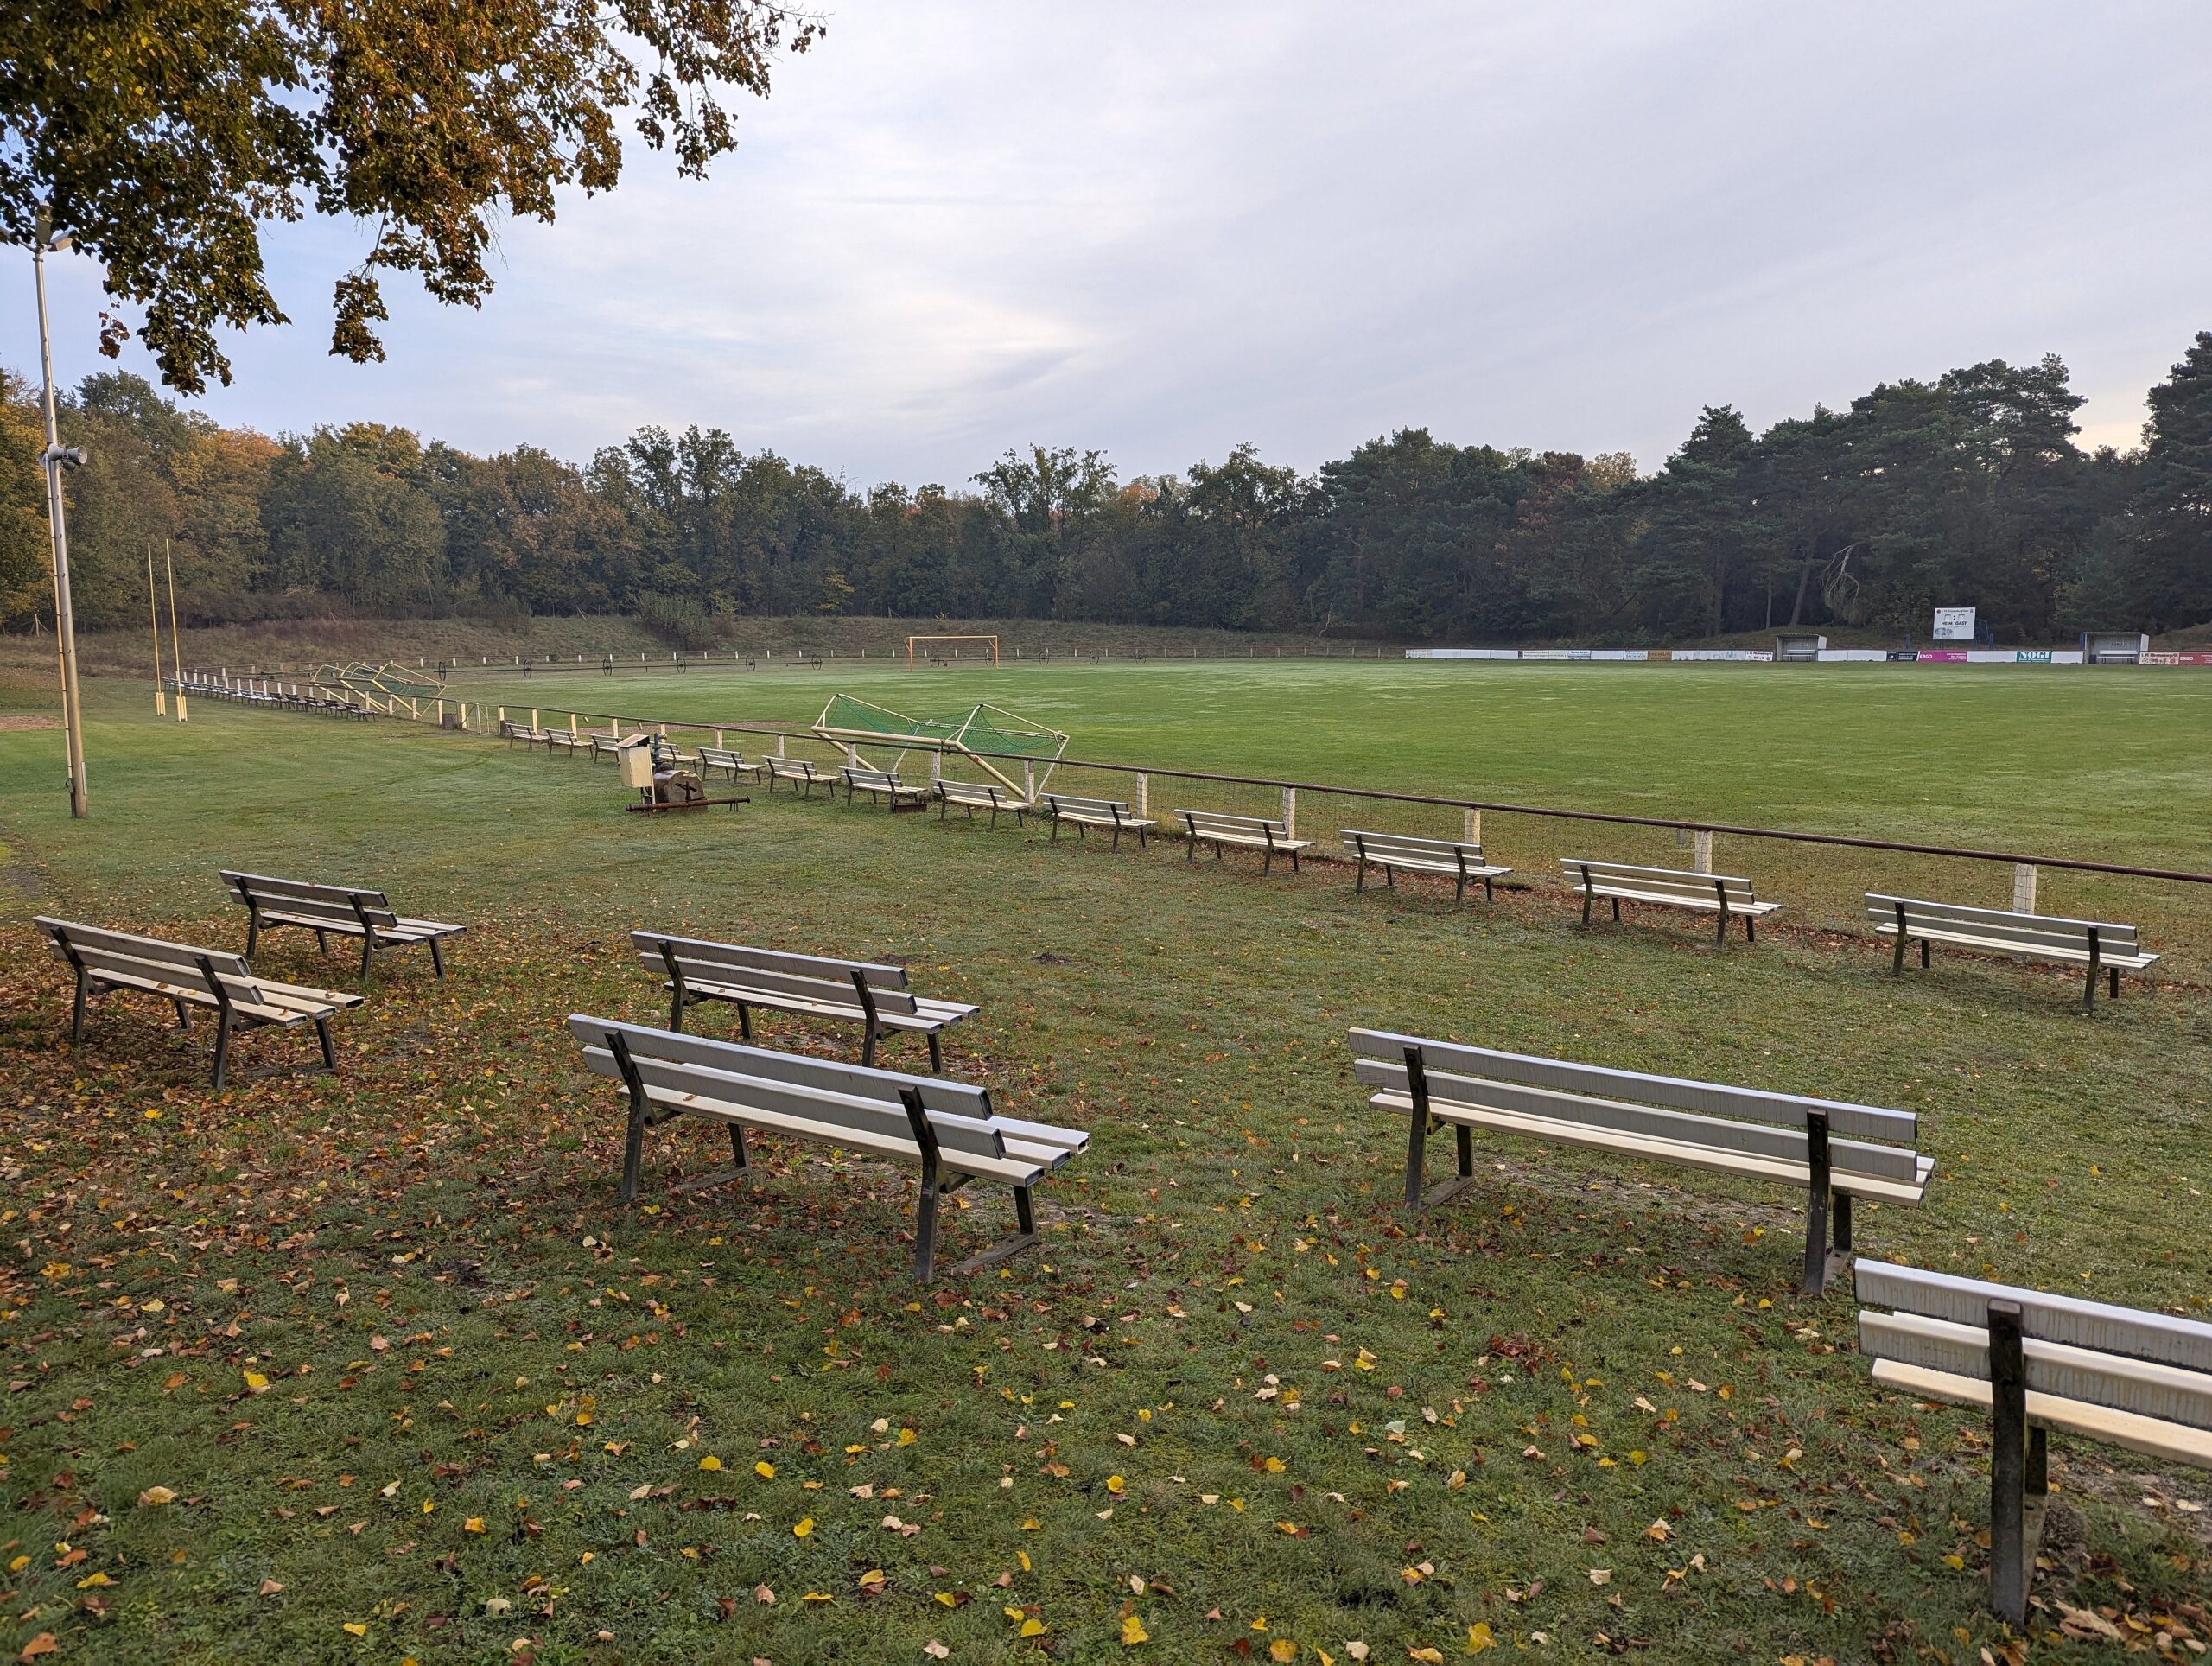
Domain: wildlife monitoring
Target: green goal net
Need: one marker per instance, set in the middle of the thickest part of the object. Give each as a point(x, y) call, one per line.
point(1002, 744)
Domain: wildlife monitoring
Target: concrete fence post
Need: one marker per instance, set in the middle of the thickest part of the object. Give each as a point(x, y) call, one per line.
point(1473, 832)
point(2024, 887)
point(1290, 812)
point(1703, 860)
point(1142, 804)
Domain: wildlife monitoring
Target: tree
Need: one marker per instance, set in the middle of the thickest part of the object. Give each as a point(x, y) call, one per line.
point(2173, 507)
point(23, 547)
point(161, 134)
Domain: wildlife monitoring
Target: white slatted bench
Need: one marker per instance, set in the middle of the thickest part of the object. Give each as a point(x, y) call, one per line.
point(529, 733)
point(1832, 1150)
point(1453, 859)
point(800, 771)
point(2038, 1363)
point(947, 1129)
point(340, 909)
point(810, 986)
point(1081, 814)
point(972, 796)
point(882, 784)
point(2095, 945)
point(729, 758)
point(186, 977)
point(1249, 832)
point(608, 745)
point(568, 740)
point(1722, 894)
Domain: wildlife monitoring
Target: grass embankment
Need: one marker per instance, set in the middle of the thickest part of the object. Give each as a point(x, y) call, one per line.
point(418, 1386)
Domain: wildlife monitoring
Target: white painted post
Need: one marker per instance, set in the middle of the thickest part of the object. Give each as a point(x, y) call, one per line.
point(718, 737)
point(441, 714)
point(533, 717)
point(572, 726)
point(2024, 887)
point(1143, 804)
point(1028, 780)
point(1473, 832)
point(1290, 812)
point(1703, 861)
point(780, 753)
point(936, 767)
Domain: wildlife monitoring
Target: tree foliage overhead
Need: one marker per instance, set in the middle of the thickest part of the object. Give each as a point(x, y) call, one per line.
point(1966, 490)
point(163, 134)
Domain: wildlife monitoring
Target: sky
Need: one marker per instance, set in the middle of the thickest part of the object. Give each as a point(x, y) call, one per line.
point(1163, 230)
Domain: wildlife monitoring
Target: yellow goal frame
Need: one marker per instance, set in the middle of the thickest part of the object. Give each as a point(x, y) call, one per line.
point(955, 637)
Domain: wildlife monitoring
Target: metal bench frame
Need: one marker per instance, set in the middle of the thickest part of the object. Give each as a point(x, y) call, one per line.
point(1422, 856)
point(268, 912)
point(1247, 832)
point(2099, 952)
point(1749, 912)
point(1118, 815)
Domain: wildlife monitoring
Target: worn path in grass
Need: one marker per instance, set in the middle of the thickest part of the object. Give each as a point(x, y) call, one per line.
point(354, 1324)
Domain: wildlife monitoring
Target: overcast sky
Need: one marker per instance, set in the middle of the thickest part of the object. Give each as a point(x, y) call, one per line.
point(1160, 230)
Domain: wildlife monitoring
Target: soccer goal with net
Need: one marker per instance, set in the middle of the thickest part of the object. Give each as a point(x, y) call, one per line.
point(1013, 751)
point(950, 650)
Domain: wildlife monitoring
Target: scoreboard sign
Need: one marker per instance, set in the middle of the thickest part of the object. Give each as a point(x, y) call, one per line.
point(1953, 625)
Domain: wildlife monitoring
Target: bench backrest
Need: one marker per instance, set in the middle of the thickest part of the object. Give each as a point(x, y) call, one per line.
point(1070, 803)
point(723, 757)
point(974, 792)
point(1661, 881)
point(1386, 846)
point(2153, 1364)
point(100, 950)
point(1203, 821)
point(808, 977)
point(799, 768)
point(834, 1097)
point(1864, 1140)
point(863, 775)
point(2030, 931)
point(306, 900)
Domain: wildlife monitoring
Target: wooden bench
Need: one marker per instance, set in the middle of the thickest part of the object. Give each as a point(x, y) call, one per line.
point(1251, 832)
point(2037, 1362)
point(1454, 859)
point(801, 770)
point(568, 740)
point(2096, 945)
point(730, 759)
point(972, 796)
point(606, 745)
point(344, 910)
point(529, 733)
point(188, 977)
point(1082, 813)
point(812, 986)
point(1834, 1151)
point(883, 785)
point(1722, 894)
point(948, 1130)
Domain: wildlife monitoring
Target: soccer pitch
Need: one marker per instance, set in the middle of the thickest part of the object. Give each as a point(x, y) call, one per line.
point(411, 1384)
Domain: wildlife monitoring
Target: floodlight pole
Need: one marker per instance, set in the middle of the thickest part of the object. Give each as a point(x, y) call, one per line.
point(65, 622)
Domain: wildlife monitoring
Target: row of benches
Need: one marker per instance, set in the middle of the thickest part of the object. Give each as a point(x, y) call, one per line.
point(280, 698)
point(2141, 1380)
point(218, 981)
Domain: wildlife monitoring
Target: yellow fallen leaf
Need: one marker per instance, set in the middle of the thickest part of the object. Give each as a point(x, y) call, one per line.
point(93, 1582)
point(765, 1470)
point(1133, 1632)
point(1955, 1563)
point(803, 1527)
point(154, 1497)
point(356, 1628)
point(474, 1524)
point(907, 1437)
point(1428, 1657)
point(818, 1596)
point(255, 1382)
point(710, 1462)
point(1275, 1465)
point(1283, 1648)
point(1117, 1485)
point(1478, 1637)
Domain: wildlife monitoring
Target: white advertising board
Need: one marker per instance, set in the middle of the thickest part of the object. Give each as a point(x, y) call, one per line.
point(1953, 625)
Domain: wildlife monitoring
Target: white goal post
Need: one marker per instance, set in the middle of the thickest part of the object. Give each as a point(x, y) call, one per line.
point(924, 644)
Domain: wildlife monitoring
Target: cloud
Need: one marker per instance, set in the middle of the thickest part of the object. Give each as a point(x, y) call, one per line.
point(1161, 230)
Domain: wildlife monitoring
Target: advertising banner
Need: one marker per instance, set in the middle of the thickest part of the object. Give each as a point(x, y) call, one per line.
point(1953, 625)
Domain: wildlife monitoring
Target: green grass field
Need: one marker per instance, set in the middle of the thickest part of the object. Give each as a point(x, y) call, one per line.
point(355, 1327)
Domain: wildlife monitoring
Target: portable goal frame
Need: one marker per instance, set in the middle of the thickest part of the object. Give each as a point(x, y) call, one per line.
point(912, 640)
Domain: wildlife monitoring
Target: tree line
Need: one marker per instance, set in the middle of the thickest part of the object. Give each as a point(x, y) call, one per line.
point(1965, 490)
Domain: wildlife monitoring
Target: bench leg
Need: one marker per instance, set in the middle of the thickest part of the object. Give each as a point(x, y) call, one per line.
point(737, 1145)
point(744, 1021)
point(867, 1049)
point(77, 1012)
point(1416, 1149)
point(675, 1010)
point(1360, 884)
point(936, 1053)
point(1616, 910)
point(437, 958)
point(1820, 1199)
point(1925, 946)
point(1294, 862)
point(1055, 839)
point(329, 1052)
point(252, 933)
point(2090, 989)
point(368, 953)
point(2114, 990)
point(1190, 850)
point(1896, 961)
point(1839, 1221)
point(1267, 867)
point(1142, 844)
point(1751, 930)
point(926, 1231)
point(1489, 895)
point(321, 941)
point(183, 1015)
point(222, 1047)
point(1466, 1151)
point(1458, 890)
point(2011, 1555)
point(1587, 901)
point(633, 1149)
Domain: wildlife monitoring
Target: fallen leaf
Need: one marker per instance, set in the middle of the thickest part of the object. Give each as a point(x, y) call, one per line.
point(1133, 1632)
point(154, 1497)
